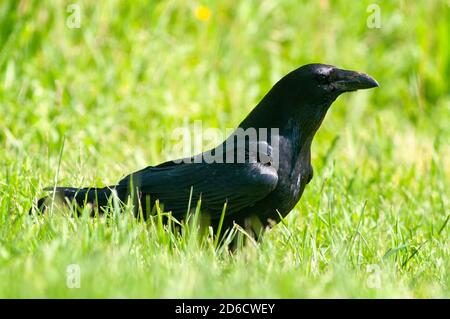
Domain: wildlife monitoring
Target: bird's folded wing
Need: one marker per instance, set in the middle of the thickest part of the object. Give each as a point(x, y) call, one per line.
point(239, 185)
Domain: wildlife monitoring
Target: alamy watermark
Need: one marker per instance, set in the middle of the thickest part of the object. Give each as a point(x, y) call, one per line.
point(73, 276)
point(374, 279)
point(249, 145)
point(73, 20)
point(374, 19)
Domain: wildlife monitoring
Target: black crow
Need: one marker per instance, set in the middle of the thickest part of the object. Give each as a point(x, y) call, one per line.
point(260, 171)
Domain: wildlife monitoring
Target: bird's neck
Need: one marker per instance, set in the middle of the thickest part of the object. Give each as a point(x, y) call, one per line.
point(298, 124)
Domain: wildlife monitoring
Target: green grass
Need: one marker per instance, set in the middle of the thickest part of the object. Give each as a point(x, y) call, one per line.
point(115, 89)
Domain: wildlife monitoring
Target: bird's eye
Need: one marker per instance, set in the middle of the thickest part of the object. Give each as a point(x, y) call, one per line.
point(323, 78)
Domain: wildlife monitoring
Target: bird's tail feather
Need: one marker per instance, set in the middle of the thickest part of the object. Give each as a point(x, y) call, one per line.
point(99, 197)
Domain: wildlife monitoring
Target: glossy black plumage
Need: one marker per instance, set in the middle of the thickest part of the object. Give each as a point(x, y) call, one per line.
point(256, 189)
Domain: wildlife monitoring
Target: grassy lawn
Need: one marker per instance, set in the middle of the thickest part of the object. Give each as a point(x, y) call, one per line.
point(85, 106)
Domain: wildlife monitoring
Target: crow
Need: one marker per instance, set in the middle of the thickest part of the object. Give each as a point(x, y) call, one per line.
point(256, 176)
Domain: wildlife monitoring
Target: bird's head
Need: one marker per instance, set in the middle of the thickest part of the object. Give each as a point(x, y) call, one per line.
point(307, 92)
point(305, 95)
point(327, 82)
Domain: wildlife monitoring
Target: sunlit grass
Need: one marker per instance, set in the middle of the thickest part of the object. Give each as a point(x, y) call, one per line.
point(115, 89)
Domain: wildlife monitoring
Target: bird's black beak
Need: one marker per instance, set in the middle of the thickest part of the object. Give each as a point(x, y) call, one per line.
point(344, 80)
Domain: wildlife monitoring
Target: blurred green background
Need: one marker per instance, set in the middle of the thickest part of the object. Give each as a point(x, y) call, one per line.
point(133, 71)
